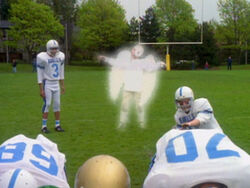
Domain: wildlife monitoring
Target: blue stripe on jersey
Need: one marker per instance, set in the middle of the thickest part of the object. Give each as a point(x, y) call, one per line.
point(181, 91)
point(206, 112)
point(41, 67)
point(44, 99)
point(13, 178)
point(152, 162)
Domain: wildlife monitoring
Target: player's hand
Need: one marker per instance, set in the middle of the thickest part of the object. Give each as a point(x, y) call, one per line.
point(42, 94)
point(101, 58)
point(185, 126)
point(62, 90)
point(163, 65)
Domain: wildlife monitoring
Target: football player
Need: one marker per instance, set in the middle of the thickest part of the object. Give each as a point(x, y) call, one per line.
point(198, 158)
point(133, 75)
point(193, 113)
point(102, 171)
point(31, 163)
point(50, 73)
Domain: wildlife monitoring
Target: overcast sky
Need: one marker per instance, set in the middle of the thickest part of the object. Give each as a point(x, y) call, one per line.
point(210, 8)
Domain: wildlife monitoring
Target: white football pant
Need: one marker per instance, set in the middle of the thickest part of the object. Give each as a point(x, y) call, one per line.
point(52, 92)
point(127, 97)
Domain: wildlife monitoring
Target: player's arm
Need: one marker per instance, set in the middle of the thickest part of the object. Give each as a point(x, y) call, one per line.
point(107, 60)
point(150, 65)
point(62, 78)
point(40, 77)
point(192, 124)
point(62, 86)
point(42, 93)
point(205, 113)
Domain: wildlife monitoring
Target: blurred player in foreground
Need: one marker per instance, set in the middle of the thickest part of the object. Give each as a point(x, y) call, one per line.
point(50, 72)
point(136, 77)
point(102, 171)
point(198, 158)
point(193, 113)
point(31, 163)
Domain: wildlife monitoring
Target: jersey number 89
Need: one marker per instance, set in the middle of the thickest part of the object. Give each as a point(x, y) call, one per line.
point(40, 158)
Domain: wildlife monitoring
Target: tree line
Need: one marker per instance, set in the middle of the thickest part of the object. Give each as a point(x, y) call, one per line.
point(89, 27)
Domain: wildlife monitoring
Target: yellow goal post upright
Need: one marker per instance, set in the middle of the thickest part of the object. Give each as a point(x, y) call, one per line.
point(168, 64)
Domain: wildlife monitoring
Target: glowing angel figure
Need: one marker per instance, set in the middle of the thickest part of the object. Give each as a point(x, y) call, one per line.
point(135, 77)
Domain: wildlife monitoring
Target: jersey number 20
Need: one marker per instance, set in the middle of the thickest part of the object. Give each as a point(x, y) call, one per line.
point(191, 149)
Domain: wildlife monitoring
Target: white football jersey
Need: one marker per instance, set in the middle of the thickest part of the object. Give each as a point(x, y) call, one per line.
point(201, 110)
point(38, 156)
point(50, 68)
point(185, 158)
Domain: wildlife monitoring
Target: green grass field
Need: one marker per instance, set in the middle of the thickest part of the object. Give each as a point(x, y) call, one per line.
point(90, 118)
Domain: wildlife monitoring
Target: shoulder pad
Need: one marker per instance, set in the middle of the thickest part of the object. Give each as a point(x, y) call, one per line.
point(202, 104)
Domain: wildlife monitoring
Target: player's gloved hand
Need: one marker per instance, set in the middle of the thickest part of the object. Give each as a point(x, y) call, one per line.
point(185, 126)
point(42, 93)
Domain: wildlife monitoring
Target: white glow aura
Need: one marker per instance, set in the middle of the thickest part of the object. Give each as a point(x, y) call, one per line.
point(128, 73)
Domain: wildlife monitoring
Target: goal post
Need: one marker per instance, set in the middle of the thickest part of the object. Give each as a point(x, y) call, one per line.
point(168, 64)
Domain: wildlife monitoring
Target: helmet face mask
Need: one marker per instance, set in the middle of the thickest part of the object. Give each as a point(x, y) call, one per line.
point(184, 99)
point(185, 104)
point(52, 47)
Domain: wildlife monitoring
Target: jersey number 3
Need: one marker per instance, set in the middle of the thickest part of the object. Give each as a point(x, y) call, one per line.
point(56, 73)
point(39, 158)
point(191, 149)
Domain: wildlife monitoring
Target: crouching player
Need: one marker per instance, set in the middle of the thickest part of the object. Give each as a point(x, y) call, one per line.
point(198, 158)
point(50, 71)
point(31, 163)
point(193, 113)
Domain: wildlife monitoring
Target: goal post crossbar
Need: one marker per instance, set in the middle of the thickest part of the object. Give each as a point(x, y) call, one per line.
point(169, 43)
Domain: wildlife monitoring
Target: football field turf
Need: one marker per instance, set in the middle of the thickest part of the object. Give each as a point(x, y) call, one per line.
point(90, 118)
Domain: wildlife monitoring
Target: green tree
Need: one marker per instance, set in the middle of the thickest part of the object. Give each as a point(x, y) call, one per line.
point(133, 29)
point(208, 51)
point(102, 25)
point(33, 25)
point(150, 30)
point(175, 19)
point(233, 30)
point(4, 8)
point(65, 10)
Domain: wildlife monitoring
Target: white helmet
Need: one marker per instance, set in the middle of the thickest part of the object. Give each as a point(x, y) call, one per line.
point(184, 93)
point(52, 44)
point(138, 50)
point(102, 171)
point(157, 181)
point(17, 178)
